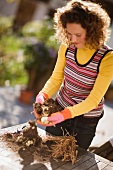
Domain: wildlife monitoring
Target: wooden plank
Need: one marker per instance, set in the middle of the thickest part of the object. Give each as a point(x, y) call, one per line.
point(10, 163)
point(106, 151)
point(68, 165)
point(110, 156)
point(102, 148)
point(64, 166)
point(48, 166)
point(55, 164)
point(16, 161)
point(36, 166)
point(108, 168)
point(5, 165)
point(51, 165)
point(101, 159)
point(86, 165)
point(16, 165)
point(111, 163)
point(12, 128)
point(99, 166)
point(2, 145)
point(7, 152)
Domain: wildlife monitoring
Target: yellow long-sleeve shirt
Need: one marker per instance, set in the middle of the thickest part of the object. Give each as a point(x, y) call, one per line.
point(101, 85)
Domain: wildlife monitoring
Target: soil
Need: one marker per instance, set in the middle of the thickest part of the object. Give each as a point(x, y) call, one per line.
point(30, 146)
point(47, 108)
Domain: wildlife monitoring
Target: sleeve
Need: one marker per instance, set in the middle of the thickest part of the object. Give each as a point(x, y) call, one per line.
point(101, 85)
point(55, 81)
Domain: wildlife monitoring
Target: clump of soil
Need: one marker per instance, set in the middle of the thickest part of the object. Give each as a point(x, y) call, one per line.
point(30, 145)
point(47, 108)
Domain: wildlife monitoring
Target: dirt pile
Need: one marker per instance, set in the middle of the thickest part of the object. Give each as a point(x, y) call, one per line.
point(47, 108)
point(30, 146)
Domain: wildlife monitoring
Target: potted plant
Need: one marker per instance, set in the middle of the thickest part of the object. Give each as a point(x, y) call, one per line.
point(38, 64)
point(109, 93)
point(39, 54)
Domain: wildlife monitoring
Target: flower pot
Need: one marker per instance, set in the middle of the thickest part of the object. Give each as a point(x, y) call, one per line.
point(109, 95)
point(26, 96)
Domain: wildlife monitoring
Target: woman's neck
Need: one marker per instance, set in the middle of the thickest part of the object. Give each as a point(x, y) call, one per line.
point(84, 55)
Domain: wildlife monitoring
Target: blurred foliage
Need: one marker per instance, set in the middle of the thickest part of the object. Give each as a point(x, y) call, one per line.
point(39, 51)
point(36, 54)
point(11, 63)
point(42, 30)
point(32, 49)
point(5, 25)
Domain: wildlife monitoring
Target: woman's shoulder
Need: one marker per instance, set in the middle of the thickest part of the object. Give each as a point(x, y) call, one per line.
point(105, 50)
point(108, 54)
point(62, 49)
point(63, 46)
point(107, 47)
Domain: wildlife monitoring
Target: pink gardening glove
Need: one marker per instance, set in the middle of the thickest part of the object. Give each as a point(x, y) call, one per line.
point(41, 97)
point(57, 117)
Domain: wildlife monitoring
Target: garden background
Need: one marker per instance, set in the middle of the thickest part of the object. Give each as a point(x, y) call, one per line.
point(28, 52)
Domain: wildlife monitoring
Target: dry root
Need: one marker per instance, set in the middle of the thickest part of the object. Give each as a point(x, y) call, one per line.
point(63, 147)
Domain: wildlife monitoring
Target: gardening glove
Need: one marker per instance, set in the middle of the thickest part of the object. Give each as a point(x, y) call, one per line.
point(57, 117)
point(37, 116)
point(41, 97)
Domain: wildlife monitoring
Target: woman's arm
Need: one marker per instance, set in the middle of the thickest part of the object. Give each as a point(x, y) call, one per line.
point(55, 81)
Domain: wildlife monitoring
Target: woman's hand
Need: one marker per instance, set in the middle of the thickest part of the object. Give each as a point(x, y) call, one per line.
point(41, 97)
point(57, 117)
point(37, 116)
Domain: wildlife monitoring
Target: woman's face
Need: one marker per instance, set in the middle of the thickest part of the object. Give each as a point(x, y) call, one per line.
point(76, 34)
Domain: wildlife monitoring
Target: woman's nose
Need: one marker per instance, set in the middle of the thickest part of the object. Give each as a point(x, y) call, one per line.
point(73, 38)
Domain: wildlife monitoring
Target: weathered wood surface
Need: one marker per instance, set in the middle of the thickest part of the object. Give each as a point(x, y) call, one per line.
point(106, 151)
point(10, 160)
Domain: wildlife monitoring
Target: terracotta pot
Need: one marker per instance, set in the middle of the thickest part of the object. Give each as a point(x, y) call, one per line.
point(109, 95)
point(26, 96)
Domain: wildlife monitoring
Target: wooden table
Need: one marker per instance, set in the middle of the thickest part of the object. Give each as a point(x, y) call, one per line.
point(10, 160)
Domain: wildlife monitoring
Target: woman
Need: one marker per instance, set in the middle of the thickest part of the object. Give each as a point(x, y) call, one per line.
point(83, 71)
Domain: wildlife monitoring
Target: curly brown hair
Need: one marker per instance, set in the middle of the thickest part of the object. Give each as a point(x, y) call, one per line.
point(91, 16)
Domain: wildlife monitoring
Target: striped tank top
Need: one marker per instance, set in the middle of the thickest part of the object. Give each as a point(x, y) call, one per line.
point(79, 80)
